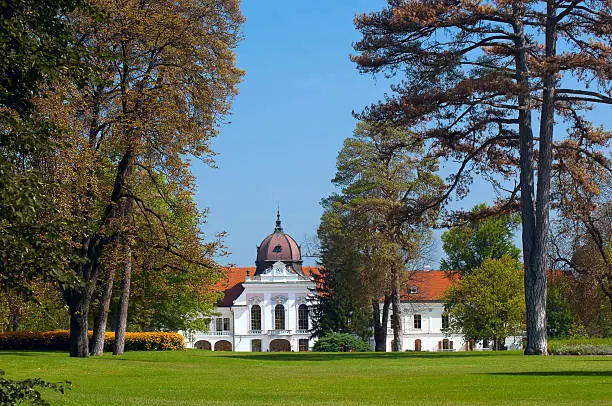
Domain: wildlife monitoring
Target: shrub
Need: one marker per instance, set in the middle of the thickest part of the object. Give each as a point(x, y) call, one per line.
point(581, 346)
point(18, 392)
point(60, 340)
point(341, 342)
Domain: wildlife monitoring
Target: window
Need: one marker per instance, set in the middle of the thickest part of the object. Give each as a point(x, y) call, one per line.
point(445, 321)
point(413, 289)
point(417, 321)
point(256, 345)
point(277, 249)
point(279, 317)
point(255, 317)
point(303, 317)
point(222, 324)
point(303, 344)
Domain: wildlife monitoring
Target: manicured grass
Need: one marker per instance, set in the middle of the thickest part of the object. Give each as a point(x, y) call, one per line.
point(208, 378)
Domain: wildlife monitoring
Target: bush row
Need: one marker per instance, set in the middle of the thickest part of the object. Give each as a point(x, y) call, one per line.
point(341, 342)
point(60, 339)
point(581, 346)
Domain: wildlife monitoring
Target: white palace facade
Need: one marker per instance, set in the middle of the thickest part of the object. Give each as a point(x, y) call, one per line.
point(266, 307)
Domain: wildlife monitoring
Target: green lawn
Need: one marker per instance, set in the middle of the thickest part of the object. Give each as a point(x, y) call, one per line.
point(208, 378)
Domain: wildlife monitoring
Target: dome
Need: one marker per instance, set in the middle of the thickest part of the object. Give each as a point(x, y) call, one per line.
point(278, 246)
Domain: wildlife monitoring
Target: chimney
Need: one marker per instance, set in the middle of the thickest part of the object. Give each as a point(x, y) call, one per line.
point(427, 268)
point(248, 272)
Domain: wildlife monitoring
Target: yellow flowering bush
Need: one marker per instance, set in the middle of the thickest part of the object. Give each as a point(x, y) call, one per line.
point(60, 339)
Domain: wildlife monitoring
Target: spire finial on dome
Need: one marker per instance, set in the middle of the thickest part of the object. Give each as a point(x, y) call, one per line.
point(278, 227)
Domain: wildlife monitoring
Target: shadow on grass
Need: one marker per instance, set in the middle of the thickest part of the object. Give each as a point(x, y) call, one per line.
point(555, 373)
point(25, 353)
point(333, 356)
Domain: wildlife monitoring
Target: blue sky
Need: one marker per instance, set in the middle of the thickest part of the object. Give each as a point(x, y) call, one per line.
point(288, 123)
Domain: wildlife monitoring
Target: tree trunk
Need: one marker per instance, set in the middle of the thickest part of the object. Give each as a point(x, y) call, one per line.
point(78, 304)
point(535, 275)
point(380, 324)
point(535, 284)
point(14, 318)
point(100, 322)
point(396, 317)
point(119, 343)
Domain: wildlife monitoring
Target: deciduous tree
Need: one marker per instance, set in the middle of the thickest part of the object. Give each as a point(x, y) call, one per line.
point(487, 303)
point(468, 245)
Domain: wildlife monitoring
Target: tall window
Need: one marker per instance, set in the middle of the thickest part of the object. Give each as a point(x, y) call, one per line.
point(417, 321)
point(445, 321)
point(279, 317)
point(303, 317)
point(222, 324)
point(255, 317)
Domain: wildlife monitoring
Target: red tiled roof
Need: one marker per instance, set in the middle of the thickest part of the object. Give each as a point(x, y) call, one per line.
point(430, 285)
point(232, 286)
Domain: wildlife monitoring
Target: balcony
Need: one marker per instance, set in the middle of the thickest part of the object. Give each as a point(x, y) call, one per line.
point(218, 333)
point(254, 332)
point(302, 331)
point(278, 332)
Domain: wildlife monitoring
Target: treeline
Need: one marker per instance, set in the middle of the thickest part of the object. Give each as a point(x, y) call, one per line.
point(102, 106)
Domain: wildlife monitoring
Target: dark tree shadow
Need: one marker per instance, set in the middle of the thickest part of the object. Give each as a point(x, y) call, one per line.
point(556, 373)
point(333, 356)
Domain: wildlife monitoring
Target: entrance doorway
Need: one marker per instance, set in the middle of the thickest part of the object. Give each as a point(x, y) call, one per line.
point(280, 346)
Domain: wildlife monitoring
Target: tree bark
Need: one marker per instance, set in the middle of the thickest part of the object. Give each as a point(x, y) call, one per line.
point(396, 316)
point(119, 344)
point(535, 275)
point(101, 320)
point(379, 323)
point(77, 299)
point(535, 284)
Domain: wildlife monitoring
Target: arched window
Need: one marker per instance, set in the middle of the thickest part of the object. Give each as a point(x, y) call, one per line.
point(279, 317)
point(255, 317)
point(303, 317)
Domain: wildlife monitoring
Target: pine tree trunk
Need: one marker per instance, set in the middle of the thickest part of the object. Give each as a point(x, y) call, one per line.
point(532, 237)
point(380, 324)
point(396, 316)
point(100, 322)
point(119, 343)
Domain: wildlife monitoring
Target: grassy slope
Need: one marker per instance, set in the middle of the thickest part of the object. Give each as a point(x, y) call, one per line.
point(198, 377)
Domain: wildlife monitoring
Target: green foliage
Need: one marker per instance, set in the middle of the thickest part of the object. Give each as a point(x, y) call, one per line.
point(341, 342)
point(488, 302)
point(559, 318)
point(13, 392)
point(581, 346)
point(467, 246)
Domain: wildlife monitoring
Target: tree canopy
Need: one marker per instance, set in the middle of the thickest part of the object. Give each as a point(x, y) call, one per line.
point(468, 245)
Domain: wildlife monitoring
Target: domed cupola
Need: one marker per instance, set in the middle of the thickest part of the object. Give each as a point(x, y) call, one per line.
point(278, 246)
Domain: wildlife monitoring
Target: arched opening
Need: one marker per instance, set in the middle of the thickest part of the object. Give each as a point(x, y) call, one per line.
point(223, 345)
point(256, 318)
point(417, 344)
point(202, 345)
point(280, 345)
point(303, 317)
point(279, 317)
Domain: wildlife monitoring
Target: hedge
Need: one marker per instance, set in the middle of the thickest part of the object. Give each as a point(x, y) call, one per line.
point(581, 346)
point(341, 342)
point(60, 339)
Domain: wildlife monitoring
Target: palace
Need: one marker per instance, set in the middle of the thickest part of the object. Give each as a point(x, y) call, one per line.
point(266, 307)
